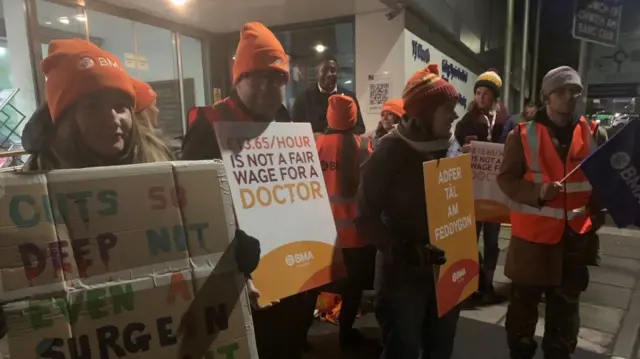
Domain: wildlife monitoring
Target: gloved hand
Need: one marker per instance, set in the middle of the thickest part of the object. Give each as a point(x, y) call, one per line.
point(247, 252)
point(433, 255)
point(417, 255)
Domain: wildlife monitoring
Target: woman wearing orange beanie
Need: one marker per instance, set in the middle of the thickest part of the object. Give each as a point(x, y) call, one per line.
point(392, 112)
point(341, 154)
point(392, 216)
point(90, 100)
point(88, 121)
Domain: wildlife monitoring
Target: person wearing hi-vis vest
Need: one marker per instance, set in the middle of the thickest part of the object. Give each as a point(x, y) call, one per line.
point(341, 153)
point(552, 221)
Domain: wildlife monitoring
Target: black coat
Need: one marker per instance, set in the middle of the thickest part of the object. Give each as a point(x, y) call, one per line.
point(311, 106)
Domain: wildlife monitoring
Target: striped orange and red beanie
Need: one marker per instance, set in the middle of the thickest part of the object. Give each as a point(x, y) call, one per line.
point(426, 91)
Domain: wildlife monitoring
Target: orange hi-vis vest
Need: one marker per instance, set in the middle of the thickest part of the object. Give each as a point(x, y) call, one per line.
point(344, 209)
point(546, 225)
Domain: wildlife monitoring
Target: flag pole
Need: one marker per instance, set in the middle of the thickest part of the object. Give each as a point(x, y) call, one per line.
point(570, 173)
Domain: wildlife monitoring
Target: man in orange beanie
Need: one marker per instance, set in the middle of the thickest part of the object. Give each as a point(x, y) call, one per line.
point(260, 72)
point(391, 215)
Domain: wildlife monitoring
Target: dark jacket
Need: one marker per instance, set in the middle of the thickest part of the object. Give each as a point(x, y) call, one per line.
point(392, 211)
point(311, 106)
point(471, 125)
point(536, 264)
point(200, 143)
point(512, 122)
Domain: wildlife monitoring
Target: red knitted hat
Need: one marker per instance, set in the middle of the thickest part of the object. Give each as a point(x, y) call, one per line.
point(426, 91)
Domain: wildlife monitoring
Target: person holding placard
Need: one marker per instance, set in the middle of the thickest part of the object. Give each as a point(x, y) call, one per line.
point(553, 219)
point(341, 154)
point(392, 216)
point(260, 72)
point(88, 121)
point(482, 123)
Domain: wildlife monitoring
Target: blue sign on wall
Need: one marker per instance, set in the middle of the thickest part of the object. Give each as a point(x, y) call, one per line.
point(420, 52)
point(454, 72)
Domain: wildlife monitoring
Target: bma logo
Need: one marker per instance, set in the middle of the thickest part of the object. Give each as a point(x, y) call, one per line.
point(299, 259)
point(458, 275)
point(621, 162)
point(419, 52)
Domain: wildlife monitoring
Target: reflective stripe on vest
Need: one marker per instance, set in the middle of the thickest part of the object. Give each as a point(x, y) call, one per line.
point(342, 201)
point(534, 143)
point(569, 187)
point(550, 212)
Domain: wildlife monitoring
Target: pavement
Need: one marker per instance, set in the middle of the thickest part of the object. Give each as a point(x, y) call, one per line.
point(609, 310)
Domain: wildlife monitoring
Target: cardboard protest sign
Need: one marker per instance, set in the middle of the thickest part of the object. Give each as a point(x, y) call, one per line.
point(107, 262)
point(452, 228)
point(492, 205)
point(280, 197)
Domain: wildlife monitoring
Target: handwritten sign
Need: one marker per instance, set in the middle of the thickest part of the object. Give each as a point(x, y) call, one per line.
point(492, 205)
point(278, 189)
point(452, 228)
point(106, 262)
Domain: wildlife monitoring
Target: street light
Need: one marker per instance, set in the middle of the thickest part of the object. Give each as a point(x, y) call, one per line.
point(320, 48)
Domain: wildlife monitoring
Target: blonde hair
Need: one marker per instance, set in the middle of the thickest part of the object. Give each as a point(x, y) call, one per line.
point(155, 150)
point(67, 149)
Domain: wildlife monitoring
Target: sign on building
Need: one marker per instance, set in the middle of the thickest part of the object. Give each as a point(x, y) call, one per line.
point(597, 21)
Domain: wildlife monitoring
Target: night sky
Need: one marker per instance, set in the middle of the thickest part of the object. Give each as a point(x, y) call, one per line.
point(557, 45)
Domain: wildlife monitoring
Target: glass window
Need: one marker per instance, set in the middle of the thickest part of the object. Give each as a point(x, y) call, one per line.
point(192, 72)
point(17, 86)
point(148, 54)
point(60, 22)
point(115, 35)
point(307, 46)
point(157, 47)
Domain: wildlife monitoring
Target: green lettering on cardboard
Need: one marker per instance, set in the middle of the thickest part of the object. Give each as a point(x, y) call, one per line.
point(37, 316)
point(96, 301)
point(229, 350)
point(179, 238)
point(122, 297)
point(158, 241)
point(71, 311)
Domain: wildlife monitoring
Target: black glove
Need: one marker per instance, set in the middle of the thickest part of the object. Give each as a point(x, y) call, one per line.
point(433, 255)
point(247, 252)
point(418, 255)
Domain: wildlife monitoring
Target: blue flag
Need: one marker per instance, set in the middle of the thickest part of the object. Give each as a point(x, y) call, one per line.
point(614, 173)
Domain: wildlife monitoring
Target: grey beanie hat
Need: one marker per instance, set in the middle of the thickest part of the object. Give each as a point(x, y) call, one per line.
point(558, 77)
